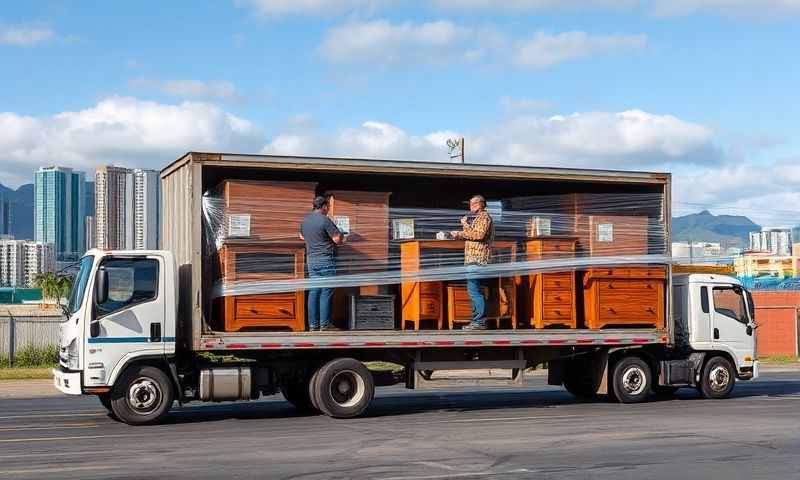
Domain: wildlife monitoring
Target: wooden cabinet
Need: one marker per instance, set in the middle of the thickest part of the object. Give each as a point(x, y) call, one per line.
point(262, 261)
point(624, 296)
point(552, 295)
point(365, 216)
point(500, 295)
point(614, 235)
point(267, 210)
point(425, 301)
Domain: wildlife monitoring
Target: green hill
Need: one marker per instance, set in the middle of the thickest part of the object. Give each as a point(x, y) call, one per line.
point(729, 230)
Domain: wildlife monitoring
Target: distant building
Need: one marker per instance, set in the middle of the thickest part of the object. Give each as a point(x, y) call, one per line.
point(127, 208)
point(796, 249)
point(777, 241)
point(22, 260)
point(5, 216)
point(59, 210)
point(90, 232)
point(696, 251)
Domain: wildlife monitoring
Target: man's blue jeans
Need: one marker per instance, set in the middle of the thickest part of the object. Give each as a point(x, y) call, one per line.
point(476, 296)
point(319, 299)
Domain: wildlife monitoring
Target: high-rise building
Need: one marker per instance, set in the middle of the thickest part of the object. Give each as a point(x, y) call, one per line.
point(22, 260)
point(59, 210)
point(127, 208)
point(5, 215)
point(109, 198)
point(777, 241)
point(90, 232)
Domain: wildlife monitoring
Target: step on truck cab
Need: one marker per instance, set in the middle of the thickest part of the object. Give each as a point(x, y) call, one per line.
point(119, 343)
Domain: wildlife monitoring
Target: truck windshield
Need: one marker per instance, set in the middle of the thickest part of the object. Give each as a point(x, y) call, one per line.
point(79, 285)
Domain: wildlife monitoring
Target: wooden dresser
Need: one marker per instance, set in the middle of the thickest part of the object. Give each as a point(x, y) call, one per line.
point(265, 210)
point(552, 295)
point(426, 302)
point(624, 296)
point(253, 261)
point(367, 216)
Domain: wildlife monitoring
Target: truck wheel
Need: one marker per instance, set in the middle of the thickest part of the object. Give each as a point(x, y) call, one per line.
point(297, 393)
point(718, 378)
point(632, 380)
point(143, 395)
point(343, 388)
point(580, 381)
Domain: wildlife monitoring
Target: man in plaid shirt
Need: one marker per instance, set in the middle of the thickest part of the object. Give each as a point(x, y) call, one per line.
point(478, 235)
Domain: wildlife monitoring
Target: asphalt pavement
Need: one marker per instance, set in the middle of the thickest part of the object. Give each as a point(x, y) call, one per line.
point(536, 431)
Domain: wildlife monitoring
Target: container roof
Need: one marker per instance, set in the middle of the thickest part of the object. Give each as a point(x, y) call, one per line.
point(414, 168)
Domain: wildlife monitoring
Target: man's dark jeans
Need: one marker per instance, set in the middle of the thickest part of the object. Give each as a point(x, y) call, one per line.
point(475, 291)
point(319, 299)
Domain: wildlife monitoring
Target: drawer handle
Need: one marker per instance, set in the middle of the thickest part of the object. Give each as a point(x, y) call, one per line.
point(651, 310)
point(611, 310)
point(649, 286)
point(283, 310)
point(253, 310)
point(558, 282)
point(611, 286)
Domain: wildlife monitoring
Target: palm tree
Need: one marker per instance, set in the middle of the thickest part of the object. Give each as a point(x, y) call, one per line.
point(54, 287)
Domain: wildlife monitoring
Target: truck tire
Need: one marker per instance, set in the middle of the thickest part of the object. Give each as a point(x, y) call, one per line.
point(343, 388)
point(579, 380)
point(142, 395)
point(632, 380)
point(718, 378)
point(297, 393)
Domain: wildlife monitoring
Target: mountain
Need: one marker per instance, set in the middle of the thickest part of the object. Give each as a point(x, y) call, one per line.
point(729, 230)
point(21, 201)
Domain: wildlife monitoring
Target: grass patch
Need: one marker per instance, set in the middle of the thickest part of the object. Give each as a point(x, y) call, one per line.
point(779, 360)
point(33, 357)
point(25, 373)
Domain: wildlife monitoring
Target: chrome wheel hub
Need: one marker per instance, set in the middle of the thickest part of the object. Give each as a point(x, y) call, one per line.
point(144, 395)
point(347, 388)
point(719, 378)
point(634, 381)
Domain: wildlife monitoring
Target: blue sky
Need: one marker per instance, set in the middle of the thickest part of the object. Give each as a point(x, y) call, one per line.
point(703, 88)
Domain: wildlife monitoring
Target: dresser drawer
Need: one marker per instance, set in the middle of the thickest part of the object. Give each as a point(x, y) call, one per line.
point(629, 312)
point(557, 281)
point(557, 312)
point(557, 297)
point(266, 306)
point(557, 248)
point(430, 287)
point(430, 305)
point(629, 287)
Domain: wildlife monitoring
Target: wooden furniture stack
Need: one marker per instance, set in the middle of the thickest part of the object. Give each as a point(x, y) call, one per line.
point(273, 210)
point(242, 261)
point(425, 301)
point(367, 213)
point(624, 296)
point(552, 295)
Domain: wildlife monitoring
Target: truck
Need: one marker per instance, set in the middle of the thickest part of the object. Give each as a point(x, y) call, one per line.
point(139, 331)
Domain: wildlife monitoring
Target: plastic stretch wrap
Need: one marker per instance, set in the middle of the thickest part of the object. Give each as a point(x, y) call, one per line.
point(253, 244)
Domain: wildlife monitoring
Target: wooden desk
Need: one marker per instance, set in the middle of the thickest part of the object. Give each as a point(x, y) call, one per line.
point(424, 301)
point(263, 261)
point(552, 295)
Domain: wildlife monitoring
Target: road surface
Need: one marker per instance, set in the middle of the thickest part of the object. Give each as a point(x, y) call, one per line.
point(536, 432)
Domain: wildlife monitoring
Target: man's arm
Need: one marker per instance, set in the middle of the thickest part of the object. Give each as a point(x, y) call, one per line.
point(334, 232)
point(478, 230)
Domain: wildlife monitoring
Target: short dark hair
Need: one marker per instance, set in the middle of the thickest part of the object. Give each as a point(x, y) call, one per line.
point(319, 202)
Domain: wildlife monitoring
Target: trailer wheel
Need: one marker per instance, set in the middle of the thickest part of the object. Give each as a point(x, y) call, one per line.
point(143, 395)
point(343, 388)
point(718, 378)
point(579, 379)
point(297, 393)
point(632, 380)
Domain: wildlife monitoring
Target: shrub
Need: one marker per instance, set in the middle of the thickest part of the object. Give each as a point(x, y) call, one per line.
point(30, 356)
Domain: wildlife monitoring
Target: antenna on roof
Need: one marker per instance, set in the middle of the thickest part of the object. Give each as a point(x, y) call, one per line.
point(455, 147)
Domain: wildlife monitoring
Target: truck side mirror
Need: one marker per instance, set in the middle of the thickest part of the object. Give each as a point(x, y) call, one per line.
point(101, 286)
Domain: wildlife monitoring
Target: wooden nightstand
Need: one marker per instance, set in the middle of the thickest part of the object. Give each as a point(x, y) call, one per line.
point(552, 295)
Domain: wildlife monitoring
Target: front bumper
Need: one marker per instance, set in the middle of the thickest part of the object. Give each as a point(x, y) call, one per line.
point(67, 382)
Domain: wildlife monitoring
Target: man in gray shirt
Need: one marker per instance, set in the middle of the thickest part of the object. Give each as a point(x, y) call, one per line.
point(322, 237)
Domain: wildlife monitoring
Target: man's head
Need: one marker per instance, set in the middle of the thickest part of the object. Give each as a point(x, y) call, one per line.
point(320, 203)
point(477, 203)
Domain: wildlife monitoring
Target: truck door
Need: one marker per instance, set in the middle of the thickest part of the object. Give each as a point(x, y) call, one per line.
point(730, 321)
point(129, 321)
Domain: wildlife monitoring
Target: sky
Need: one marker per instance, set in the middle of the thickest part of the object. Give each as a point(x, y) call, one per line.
point(704, 89)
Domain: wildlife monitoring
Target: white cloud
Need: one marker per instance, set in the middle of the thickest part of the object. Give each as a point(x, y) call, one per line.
point(380, 41)
point(25, 35)
point(211, 90)
point(545, 50)
point(384, 42)
point(120, 130)
point(283, 8)
point(757, 8)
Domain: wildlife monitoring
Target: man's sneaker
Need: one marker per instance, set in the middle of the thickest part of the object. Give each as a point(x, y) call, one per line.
point(474, 326)
point(330, 328)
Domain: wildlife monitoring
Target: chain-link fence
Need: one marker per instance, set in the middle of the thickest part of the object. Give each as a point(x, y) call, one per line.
point(22, 332)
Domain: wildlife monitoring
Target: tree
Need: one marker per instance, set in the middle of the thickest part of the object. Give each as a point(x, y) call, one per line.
point(54, 287)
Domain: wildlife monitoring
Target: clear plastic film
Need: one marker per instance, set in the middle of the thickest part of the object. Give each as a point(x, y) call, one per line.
point(253, 244)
